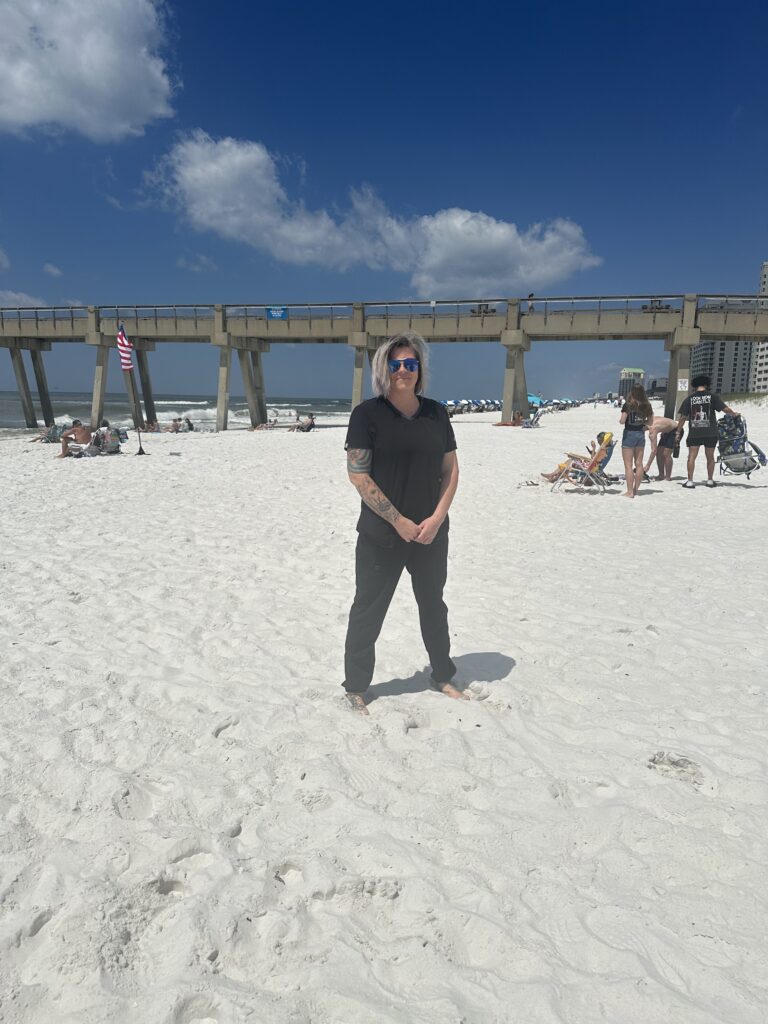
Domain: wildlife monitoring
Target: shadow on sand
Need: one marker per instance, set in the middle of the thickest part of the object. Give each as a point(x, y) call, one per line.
point(481, 667)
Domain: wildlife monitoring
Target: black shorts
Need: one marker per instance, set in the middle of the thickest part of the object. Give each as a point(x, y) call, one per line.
point(667, 440)
point(705, 440)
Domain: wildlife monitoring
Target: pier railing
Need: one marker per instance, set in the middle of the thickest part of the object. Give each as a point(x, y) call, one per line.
point(256, 317)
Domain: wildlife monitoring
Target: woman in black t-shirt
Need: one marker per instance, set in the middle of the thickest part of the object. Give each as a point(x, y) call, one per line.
point(401, 458)
point(636, 417)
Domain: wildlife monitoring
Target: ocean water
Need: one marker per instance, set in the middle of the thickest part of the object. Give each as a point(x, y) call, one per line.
point(201, 409)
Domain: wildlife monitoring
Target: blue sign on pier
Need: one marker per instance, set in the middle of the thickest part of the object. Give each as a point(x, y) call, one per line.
point(277, 312)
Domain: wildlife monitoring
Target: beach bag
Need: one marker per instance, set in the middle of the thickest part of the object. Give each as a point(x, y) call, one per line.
point(107, 441)
point(52, 434)
point(110, 442)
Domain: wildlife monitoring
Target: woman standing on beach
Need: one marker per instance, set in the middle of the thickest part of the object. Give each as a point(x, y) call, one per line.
point(636, 417)
point(401, 458)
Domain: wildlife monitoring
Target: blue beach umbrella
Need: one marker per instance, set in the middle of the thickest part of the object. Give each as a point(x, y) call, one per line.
point(535, 400)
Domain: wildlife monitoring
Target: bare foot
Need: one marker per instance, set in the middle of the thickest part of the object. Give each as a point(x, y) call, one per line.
point(451, 691)
point(358, 703)
point(627, 495)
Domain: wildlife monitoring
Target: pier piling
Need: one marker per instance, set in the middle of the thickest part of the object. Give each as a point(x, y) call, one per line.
point(42, 387)
point(99, 385)
point(142, 364)
point(246, 370)
point(22, 384)
point(222, 393)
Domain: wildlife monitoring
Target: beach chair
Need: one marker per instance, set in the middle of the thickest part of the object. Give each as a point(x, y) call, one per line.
point(52, 434)
point(606, 477)
point(534, 421)
point(585, 472)
point(736, 453)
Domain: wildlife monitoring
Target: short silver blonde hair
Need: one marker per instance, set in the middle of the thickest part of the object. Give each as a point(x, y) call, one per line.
point(380, 366)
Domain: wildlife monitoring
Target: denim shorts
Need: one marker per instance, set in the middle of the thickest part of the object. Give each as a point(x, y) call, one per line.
point(633, 439)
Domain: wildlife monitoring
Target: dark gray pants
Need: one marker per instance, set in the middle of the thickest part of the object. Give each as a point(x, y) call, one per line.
point(377, 572)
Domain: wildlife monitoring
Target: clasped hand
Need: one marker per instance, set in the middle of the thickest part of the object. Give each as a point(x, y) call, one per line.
point(422, 533)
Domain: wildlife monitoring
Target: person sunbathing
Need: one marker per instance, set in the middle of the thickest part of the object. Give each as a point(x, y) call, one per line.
point(74, 439)
point(597, 453)
point(304, 426)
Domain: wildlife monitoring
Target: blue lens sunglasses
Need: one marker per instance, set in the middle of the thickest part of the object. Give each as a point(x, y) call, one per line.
point(411, 365)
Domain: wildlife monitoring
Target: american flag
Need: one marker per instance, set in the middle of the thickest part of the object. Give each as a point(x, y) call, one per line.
point(124, 347)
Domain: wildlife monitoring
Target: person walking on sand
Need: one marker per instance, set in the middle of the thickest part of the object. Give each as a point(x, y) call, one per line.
point(700, 408)
point(401, 459)
point(636, 417)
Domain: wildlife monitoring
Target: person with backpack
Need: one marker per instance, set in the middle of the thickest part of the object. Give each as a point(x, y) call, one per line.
point(700, 409)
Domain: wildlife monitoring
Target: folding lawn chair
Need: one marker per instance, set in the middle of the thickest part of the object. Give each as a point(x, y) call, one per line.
point(587, 471)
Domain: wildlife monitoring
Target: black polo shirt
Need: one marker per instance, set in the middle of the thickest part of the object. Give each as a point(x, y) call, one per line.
point(407, 460)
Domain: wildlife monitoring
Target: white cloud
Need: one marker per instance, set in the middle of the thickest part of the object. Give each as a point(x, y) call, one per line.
point(232, 187)
point(8, 298)
point(476, 255)
point(197, 263)
point(52, 269)
point(4, 261)
point(90, 66)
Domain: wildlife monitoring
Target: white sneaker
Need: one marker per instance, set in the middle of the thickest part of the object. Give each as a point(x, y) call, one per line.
point(689, 484)
point(711, 483)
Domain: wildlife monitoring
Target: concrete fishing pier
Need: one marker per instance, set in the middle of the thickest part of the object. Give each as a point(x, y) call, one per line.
point(681, 321)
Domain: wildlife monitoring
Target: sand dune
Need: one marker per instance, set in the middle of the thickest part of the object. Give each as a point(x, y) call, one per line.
point(195, 829)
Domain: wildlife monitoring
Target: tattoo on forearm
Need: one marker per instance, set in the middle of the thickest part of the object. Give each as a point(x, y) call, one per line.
point(359, 460)
point(377, 501)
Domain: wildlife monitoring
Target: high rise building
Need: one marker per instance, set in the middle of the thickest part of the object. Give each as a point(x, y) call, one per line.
point(735, 365)
point(726, 361)
point(759, 377)
point(627, 377)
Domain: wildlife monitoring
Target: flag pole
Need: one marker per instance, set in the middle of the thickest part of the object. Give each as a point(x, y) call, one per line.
point(125, 348)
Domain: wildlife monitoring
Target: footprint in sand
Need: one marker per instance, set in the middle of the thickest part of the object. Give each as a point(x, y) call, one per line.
point(224, 724)
point(677, 766)
point(195, 1010)
point(558, 790)
point(133, 802)
point(186, 874)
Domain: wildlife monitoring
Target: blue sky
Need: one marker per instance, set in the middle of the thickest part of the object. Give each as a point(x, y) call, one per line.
point(291, 152)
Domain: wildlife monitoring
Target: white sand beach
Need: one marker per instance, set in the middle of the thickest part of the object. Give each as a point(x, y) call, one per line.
point(195, 828)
